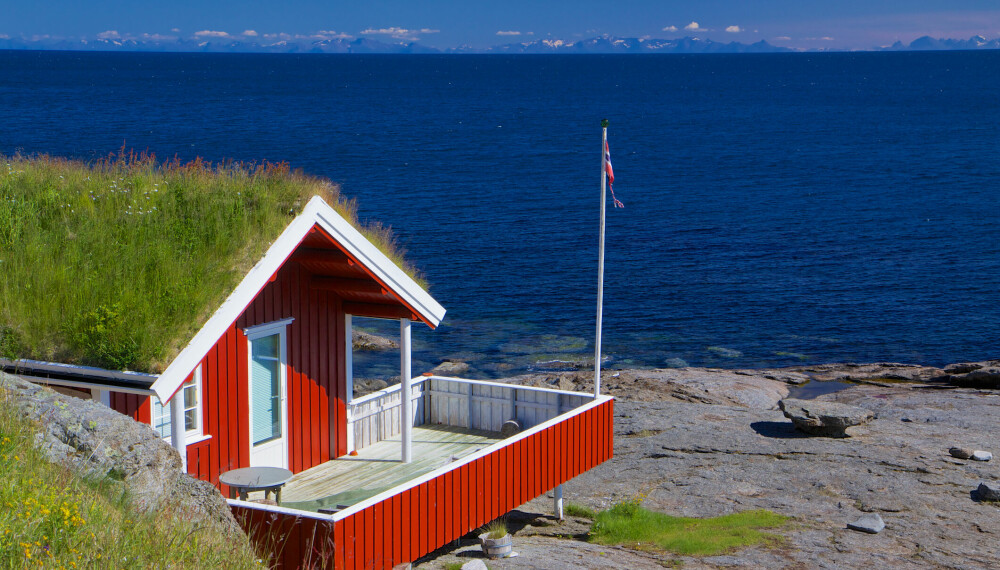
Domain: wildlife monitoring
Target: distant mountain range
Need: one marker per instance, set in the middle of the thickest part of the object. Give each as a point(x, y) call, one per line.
point(314, 44)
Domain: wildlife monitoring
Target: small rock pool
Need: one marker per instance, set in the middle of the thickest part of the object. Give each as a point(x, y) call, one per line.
point(815, 388)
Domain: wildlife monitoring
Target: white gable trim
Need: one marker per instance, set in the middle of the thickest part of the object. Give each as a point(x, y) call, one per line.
point(316, 212)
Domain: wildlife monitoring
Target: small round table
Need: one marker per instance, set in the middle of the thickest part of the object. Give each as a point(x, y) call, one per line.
point(249, 479)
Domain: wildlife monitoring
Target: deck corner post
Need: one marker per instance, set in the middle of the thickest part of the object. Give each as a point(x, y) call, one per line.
point(557, 502)
point(177, 427)
point(405, 412)
point(349, 356)
point(102, 396)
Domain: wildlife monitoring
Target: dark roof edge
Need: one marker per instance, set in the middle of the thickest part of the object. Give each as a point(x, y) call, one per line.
point(57, 372)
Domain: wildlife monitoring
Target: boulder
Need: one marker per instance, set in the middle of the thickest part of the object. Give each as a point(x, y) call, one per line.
point(450, 368)
point(974, 374)
point(829, 419)
point(960, 452)
point(989, 491)
point(96, 441)
point(365, 386)
point(366, 341)
point(981, 456)
point(871, 523)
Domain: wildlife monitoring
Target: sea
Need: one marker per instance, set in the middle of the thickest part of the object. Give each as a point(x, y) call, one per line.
point(779, 209)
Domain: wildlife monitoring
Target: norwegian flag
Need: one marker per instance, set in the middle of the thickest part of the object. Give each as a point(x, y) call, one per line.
point(611, 175)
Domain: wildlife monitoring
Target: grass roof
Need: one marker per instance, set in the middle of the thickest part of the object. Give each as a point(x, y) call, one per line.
point(117, 264)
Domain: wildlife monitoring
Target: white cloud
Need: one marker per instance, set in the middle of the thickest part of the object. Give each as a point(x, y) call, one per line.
point(159, 37)
point(399, 33)
point(109, 35)
point(508, 33)
point(250, 33)
point(733, 29)
point(175, 30)
point(783, 38)
point(694, 27)
point(211, 34)
point(331, 35)
point(670, 29)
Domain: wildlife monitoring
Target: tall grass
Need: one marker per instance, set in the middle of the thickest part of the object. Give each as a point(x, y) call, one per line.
point(117, 264)
point(51, 518)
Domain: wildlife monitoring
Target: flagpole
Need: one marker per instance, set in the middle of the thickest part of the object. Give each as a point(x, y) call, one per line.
point(600, 264)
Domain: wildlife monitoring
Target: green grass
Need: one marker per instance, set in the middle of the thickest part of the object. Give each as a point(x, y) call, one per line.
point(117, 264)
point(629, 524)
point(576, 510)
point(51, 518)
point(496, 529)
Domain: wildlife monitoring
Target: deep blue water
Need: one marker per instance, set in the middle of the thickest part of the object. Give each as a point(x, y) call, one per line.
point(784, 208)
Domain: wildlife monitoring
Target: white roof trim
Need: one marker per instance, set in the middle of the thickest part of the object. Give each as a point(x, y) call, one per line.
point(316, 212)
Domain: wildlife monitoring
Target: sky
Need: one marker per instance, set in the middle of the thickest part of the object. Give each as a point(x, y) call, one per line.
point(809, 24)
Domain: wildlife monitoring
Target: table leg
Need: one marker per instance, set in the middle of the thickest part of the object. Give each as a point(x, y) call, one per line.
point(277, 496)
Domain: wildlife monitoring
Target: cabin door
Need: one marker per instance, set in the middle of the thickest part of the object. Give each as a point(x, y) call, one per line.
point(268, 406)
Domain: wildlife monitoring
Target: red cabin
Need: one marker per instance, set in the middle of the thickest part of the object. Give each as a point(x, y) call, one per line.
point(378, 480)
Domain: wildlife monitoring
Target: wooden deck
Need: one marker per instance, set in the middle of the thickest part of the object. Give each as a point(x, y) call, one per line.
point(377, 468)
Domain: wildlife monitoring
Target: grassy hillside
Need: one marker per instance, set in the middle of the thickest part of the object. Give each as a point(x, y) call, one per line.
point(51, 518)
point(117, 264)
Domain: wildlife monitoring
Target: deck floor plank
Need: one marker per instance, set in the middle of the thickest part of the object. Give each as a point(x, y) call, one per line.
point(376, 468)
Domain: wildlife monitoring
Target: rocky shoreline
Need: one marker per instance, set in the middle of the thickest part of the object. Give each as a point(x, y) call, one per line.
point(707, 442)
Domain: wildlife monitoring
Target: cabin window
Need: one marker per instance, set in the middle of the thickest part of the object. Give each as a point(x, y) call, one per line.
point(191, 392)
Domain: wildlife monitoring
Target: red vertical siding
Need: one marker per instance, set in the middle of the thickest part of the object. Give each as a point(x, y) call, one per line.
point(425, 517)
point(316, 380)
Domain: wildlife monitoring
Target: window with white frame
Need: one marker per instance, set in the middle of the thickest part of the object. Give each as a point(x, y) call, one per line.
point(191, 392)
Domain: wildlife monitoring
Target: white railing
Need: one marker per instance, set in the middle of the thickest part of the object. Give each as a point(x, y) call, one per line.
point(472, 404)
point(374, 417)
point(476, 404)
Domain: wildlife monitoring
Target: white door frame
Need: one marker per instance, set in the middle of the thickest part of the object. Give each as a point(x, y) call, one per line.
point(253, 333)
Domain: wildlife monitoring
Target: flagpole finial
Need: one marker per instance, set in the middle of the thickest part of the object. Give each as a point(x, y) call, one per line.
point(604, 123)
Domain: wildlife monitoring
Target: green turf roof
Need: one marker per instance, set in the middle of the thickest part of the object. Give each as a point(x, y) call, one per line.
point(118, 264)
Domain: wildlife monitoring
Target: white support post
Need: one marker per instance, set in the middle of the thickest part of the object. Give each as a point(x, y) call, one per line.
point(102, 396)
point(557, 502)
point(405, 413)
point(177, 426)
point(349, 356)
point(513, 403)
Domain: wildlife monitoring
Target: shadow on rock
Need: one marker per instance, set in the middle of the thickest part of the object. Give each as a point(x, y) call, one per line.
point(777, 430)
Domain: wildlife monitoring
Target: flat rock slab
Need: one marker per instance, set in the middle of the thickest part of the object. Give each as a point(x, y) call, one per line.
point(871, 523)
point(981, 456)
point(829, 419)
point(695, 458)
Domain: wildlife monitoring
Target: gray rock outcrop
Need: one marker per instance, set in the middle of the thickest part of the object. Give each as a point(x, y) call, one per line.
point(366, 341)
point(450, 368)
point(703, 457)
point(828, 419)
point(974, 374)
point(96, 441)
